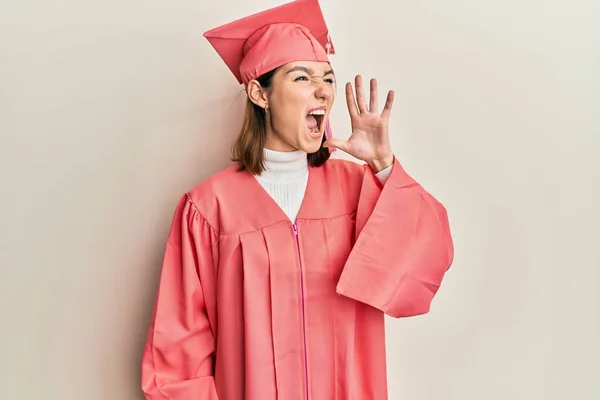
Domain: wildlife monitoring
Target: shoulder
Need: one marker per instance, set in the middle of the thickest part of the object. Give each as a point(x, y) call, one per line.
point(343, 180)
point(214, 185)
point(348, 173)
point(208, 196)
point(345, 168)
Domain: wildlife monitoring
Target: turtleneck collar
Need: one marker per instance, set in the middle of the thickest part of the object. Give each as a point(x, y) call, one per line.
point(284, 166)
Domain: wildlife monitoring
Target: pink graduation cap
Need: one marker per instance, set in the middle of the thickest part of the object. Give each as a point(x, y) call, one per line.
point(261, 42)
point(256, 44)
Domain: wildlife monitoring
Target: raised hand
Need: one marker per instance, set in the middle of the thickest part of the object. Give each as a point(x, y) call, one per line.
point(369, 140)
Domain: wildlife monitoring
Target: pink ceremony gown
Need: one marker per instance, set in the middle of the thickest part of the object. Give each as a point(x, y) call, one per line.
point(251, 306)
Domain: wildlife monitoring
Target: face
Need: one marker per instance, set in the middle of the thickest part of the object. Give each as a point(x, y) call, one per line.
point(299, 103)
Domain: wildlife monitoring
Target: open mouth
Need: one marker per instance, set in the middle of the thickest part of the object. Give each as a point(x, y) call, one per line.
point(314, 122)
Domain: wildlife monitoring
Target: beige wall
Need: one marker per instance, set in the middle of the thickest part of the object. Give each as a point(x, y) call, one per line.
point(109, 110)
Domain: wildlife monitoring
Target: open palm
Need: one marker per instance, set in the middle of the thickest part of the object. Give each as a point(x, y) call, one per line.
point(369, 140)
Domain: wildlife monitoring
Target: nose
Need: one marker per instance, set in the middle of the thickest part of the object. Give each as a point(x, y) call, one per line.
point(323, 90)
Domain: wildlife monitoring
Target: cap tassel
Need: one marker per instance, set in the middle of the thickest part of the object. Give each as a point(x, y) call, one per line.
point(329, 134)
point(329, 46)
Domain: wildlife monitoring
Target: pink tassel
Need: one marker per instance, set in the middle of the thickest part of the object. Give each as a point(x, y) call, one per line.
point(329, 134)
point(329, 46)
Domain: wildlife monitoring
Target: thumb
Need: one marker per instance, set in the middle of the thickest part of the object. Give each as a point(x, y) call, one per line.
point(337, 143)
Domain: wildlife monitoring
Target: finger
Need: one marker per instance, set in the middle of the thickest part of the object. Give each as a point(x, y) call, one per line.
point(337, 143)
point(351, 101)
point(360, 94)
point(387, 109)
point(373, 96)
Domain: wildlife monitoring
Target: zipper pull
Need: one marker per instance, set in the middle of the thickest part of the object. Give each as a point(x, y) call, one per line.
point(295, 230)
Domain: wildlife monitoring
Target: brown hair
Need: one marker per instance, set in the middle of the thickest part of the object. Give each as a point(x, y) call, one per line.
point(247, 150)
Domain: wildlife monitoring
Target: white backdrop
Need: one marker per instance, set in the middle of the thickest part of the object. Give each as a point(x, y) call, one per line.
point(109, 110)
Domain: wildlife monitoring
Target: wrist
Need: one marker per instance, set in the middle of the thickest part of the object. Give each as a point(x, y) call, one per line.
point(381, 163)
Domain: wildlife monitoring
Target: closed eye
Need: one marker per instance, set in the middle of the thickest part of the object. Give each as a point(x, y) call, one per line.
point(331, 81)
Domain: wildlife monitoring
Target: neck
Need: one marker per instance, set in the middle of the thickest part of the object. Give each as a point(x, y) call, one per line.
point(284, 166)
point(285, 178)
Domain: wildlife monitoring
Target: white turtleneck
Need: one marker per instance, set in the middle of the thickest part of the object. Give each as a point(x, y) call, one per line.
point(285, 178)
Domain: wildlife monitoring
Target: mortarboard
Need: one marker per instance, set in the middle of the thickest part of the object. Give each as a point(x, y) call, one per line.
point(256, 44)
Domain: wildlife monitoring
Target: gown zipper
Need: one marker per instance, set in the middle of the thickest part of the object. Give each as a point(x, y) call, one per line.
point(303, 312)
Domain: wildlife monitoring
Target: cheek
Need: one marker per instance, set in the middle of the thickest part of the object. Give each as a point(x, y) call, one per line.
point(292, 102)
point(296, 99)
point(293, 107)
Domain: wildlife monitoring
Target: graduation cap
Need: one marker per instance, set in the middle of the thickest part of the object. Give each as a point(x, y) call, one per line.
point(261, 42)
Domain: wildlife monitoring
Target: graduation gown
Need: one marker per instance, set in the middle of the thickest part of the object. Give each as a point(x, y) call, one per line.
point(251, 306)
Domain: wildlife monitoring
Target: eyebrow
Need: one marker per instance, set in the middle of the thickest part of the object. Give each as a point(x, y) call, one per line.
point(309, 71)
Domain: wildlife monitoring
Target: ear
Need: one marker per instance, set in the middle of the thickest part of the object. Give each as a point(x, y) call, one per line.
point(257, 94)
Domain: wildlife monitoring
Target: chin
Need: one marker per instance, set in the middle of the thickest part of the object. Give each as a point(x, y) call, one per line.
point(312, 148)
point(311, 144)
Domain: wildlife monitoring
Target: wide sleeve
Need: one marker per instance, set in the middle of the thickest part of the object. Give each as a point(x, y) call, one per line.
point(402, 249)
point(177, 360)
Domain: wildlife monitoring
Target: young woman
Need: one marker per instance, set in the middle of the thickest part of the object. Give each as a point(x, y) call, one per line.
point(278, 271)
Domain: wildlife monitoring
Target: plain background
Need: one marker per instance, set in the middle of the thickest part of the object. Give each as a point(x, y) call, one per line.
point(110, 110)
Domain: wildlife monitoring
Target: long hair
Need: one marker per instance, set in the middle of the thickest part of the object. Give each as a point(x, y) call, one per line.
point(247, 150)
